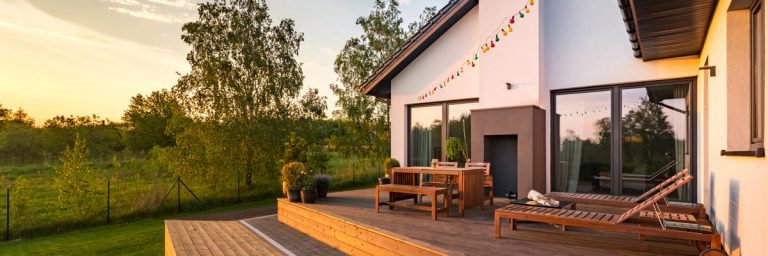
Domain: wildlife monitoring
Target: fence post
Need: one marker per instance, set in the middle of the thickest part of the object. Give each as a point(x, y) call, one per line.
point(8, 214)
point(178, 195)
point(109, 220)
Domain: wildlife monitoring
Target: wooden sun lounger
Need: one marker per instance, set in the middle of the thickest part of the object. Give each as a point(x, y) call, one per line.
point(629, 202)
point(609, 222)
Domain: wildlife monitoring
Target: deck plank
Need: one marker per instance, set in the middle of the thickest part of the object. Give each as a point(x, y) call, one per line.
point(472, 234)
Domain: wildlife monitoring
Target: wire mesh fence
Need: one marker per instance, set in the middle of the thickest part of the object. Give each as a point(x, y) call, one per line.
point(31, 205)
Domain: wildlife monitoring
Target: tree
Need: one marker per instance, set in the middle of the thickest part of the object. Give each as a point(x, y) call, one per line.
point(366, 119)
point(103, 135)
point(76, 180)
point(147, 118)
point(244, 80)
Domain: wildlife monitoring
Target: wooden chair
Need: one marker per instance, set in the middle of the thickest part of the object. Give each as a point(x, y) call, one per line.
point(441, 180)
point(629, 202)
point(701, 232)
point(488, 182)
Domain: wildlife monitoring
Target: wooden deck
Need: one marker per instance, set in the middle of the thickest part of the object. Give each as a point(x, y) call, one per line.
point(473, 233)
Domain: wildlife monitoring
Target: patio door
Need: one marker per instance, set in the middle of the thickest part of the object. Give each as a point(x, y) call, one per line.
point(624, 139)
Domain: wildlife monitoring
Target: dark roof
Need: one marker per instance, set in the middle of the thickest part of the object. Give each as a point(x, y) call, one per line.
point(660, 29)
point(379, 83)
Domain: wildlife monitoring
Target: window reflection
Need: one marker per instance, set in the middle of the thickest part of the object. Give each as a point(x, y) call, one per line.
point(460, 130)
point(425, 135)
point(583, 162)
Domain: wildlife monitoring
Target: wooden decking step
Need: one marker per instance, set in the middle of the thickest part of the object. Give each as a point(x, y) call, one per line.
point(193, 237)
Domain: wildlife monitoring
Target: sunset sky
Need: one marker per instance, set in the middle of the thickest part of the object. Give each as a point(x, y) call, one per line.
point(82, 57)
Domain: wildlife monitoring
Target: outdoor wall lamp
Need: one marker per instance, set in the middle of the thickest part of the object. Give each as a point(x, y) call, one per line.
point(710, 68)
point(509, 86)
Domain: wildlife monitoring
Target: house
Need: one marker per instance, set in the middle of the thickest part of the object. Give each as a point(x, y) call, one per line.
point(594, 96)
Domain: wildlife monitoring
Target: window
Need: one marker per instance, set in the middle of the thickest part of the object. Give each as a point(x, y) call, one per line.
point(757, 67)
point(622, 140)
point(430, 126)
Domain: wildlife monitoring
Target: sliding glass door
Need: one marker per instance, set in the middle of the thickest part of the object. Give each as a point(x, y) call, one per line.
point(654, 123)
point(622, 140)
point(425, 134)
point(584, 143)
point(431, 125)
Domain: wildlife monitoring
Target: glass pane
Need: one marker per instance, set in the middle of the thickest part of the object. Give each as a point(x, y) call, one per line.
point(583, 162)
point(459, 131)
point(425, 137)
point(654, 123)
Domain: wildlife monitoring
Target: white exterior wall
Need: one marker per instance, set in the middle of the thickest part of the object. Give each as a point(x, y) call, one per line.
point(441, 59)
point(734, 189)
point(585, 43)
point(515, 59)
point(569, 44)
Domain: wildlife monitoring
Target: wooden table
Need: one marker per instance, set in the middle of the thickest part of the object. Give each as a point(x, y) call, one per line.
point(469, 180)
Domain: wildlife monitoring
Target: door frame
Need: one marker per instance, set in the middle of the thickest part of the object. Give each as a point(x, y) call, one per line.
point(616, 149)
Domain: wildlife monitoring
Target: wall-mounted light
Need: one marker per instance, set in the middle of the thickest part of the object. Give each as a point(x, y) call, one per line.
point(711, 70)
point(509, 86)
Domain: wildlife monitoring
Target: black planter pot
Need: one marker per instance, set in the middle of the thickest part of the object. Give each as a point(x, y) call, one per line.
point(294, 196)
point(309, 197)
point(322, 191)
point(383, 181)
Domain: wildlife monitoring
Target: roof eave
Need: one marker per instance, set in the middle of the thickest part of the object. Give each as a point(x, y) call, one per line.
point(379, 83)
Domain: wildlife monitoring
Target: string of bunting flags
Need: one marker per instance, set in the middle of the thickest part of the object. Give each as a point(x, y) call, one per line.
point(489, 43)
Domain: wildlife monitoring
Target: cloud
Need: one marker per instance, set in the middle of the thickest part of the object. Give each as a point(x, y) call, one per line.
point(52, 66)
point(168, 11)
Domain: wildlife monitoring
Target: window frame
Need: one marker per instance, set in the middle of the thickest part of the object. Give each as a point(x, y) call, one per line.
point(757, 80)
point(616, 156)
point(444, 122)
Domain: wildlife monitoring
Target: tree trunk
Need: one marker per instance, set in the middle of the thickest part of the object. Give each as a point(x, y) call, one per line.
point(249, 166)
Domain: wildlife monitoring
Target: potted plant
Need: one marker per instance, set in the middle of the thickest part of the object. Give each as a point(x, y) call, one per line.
point(389, 163)
point(292, 173)
point(308, 191)
point(322, 182)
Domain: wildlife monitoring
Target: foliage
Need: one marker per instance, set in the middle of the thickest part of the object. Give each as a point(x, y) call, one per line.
point(317, 161)
point(243, 85)
point(308, 183)
point(21, 203)
point(390, 163)
point(104, 137)
point(295, 149)
point(453, 149)
point(147, 119)
point(76, 180)
point(292, 174)
point(366, 119)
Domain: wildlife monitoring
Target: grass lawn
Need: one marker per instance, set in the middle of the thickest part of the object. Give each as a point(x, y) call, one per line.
point(143, 237)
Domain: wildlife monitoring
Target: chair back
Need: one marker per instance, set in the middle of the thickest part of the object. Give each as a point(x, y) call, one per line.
point(655, 198)
point(661, 185)
point(448, 164)
point(487, 166)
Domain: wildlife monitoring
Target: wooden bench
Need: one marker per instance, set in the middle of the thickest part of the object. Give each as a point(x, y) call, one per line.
point(432, 192)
